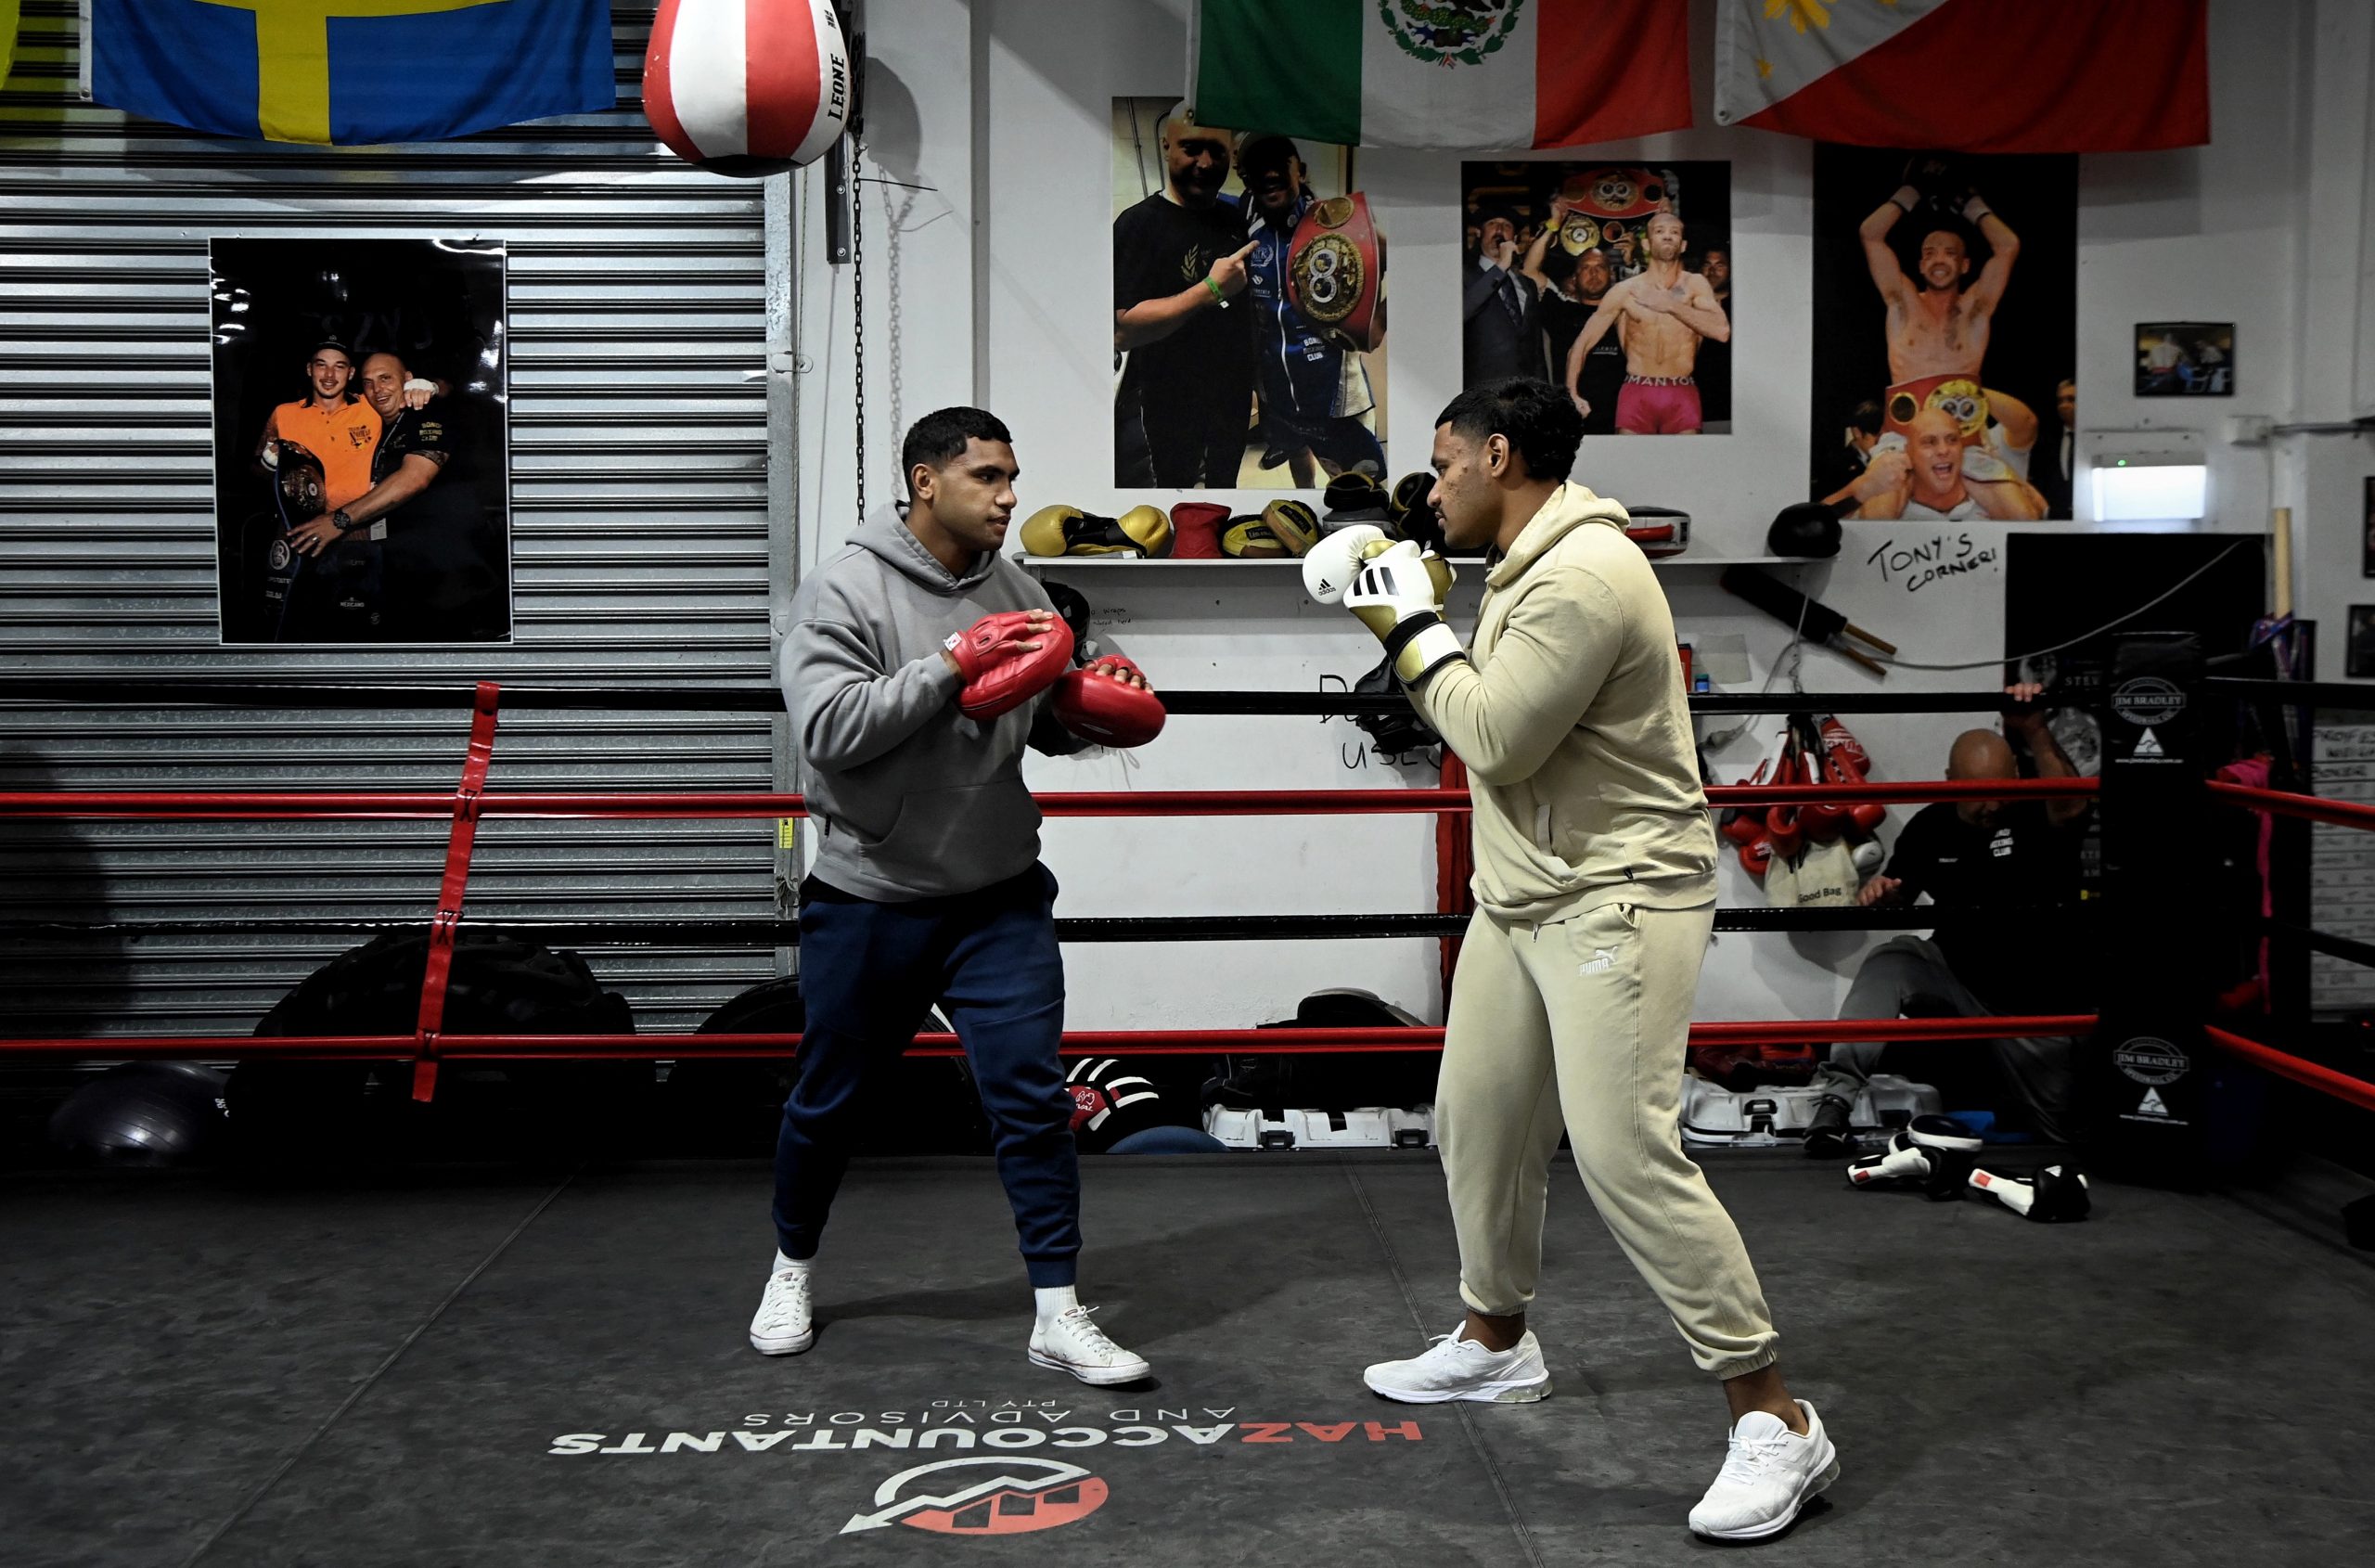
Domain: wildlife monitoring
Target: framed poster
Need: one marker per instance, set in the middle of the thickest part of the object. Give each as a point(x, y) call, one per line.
point(2184, 359)
point(2358, 650)
point(2367, 529)
point(1612, 279)
point(360, 443)
point(1945, 324)
point(1248, 307)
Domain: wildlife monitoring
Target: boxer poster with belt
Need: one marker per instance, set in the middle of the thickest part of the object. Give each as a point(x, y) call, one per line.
point(361, 448)
point(1945, 333)
point(1248, 307)
point(1614, 280)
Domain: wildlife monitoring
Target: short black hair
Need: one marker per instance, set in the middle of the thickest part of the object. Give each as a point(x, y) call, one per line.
point(1867, 417)
point(1538, 419)
point(940, 438)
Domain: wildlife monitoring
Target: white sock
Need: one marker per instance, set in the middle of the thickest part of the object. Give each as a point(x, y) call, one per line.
point(791, 1265)
point(1055, 1301)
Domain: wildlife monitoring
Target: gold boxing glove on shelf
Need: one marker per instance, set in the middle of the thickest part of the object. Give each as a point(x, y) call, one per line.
point(1068, 531)
point(1293, 524)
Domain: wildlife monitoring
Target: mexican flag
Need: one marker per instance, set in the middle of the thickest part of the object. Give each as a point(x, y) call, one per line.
point(1967, 75)
point(1464, 75)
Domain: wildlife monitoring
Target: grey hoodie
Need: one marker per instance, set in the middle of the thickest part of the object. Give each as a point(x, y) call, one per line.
point(909, 798)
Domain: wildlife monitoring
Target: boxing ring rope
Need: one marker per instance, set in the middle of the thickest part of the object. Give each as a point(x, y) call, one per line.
point(470, 802)
point(1098, 1042)
point(2283, 802)
point(68, 691)
point(2340, 1085)
point(238, 805)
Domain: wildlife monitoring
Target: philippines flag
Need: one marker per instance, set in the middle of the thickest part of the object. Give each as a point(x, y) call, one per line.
point(1967, 75)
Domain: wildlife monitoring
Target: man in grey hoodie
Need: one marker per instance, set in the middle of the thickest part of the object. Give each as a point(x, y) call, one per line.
point(926, 885)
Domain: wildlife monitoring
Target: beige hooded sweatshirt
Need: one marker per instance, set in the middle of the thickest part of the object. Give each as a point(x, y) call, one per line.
point(1571, 716)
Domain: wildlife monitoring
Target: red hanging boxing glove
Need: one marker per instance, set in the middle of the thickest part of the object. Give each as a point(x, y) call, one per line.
point(1745, 825)
point(1824, 820)
point(1854, 764)
point(1756, 856)
point(1108, 702)
point(1782, 823)
point(1008, 659)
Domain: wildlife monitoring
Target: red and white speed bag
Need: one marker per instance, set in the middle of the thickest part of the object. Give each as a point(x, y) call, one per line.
point(748, 87)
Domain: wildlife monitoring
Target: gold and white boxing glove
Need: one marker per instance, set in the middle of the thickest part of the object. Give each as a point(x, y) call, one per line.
point(1330, 566)
point(1399, 595)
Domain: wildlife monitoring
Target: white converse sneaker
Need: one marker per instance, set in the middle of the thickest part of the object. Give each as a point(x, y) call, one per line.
point(1071, 1342)
point(1457, 1368)
point(782, 1326)
point(1770, 1474)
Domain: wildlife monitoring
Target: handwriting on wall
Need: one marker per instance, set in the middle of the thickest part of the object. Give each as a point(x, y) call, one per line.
point(1925, 560)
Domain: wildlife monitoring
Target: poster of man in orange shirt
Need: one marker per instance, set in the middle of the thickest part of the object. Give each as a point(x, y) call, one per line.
point(360, 442)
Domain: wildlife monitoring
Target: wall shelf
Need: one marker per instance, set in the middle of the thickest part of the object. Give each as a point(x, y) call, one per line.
point(1117, 563)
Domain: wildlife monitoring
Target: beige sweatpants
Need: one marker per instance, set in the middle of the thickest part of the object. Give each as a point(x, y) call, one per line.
point(1583, 1023)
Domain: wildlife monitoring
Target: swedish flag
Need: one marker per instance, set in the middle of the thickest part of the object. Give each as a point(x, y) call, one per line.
point(349, 72)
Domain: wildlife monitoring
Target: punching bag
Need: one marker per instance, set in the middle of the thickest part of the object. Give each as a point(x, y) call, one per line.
point(748, 87)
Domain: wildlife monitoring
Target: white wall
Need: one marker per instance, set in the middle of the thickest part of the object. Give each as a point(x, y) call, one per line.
point(1003, 105)
point(2322, 474)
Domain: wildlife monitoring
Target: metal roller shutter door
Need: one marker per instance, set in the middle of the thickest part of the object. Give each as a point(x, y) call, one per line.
point(639, 451)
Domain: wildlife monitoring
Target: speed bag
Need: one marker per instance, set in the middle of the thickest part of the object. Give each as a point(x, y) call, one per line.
point(748, 87)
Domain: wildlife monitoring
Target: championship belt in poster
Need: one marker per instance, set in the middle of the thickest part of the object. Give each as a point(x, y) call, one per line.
point(297, 490)
point(1960, 395)
point(1336, 272)
point(1627, 191)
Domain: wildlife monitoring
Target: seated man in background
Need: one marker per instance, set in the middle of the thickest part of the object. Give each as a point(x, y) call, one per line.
point(1973, 857)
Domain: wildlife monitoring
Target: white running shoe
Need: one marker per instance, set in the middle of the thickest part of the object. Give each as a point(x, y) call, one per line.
point(1456, 1368)
point(1071, 1342)
point(1770, 1474)
point(783, 1326)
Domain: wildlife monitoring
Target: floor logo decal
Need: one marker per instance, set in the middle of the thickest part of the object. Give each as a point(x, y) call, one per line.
point(984, 1497)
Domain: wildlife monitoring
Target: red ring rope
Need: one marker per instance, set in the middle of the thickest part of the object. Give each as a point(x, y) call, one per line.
point(240, 805)
point(2282, 802)
point(2341, 1085)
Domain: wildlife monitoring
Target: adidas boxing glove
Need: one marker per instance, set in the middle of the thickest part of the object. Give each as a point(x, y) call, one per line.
point(1399, 595)
point(1332, 563)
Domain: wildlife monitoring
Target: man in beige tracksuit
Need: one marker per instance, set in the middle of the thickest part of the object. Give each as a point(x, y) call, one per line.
point(1595, 889)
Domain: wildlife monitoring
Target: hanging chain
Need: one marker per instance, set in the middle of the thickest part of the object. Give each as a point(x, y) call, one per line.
point(857, 290)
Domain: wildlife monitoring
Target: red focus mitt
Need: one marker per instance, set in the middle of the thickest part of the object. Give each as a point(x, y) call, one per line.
point(1105, 704)
point(1006, 659)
